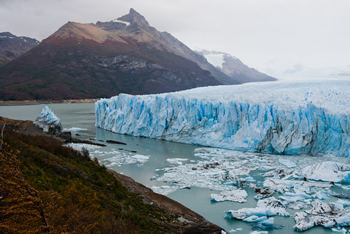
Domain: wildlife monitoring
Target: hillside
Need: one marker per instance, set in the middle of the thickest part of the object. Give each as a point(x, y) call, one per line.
point(46, 187)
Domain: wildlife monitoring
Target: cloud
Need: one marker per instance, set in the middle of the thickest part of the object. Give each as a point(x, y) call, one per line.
point(313, 32)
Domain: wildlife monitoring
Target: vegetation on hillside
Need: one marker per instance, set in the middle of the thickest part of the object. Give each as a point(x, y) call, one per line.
point(46, 187)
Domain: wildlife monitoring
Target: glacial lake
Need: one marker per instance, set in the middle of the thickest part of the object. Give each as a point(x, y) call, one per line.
point(154, 158)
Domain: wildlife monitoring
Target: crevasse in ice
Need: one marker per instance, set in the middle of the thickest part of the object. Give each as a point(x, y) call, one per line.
point(277, 117)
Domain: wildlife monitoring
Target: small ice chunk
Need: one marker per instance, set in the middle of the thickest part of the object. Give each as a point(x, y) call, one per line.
point(176, 160)
point(294, 196)
point(339, 230)
point(320, 195)
point(74, 129)
point(254, 219)
point(248, 179)
point(295, 205)
point(268, 222)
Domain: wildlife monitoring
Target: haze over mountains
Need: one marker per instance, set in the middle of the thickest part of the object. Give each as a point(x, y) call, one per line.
point(125, 55)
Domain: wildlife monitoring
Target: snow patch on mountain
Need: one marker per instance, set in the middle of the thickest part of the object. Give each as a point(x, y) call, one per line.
point(215, 59)
point(120, 21)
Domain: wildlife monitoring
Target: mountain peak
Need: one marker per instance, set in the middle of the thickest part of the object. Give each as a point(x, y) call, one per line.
point(134, 17)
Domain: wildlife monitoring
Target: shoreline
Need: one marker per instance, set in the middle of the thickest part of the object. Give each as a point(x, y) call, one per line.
point(39, 102)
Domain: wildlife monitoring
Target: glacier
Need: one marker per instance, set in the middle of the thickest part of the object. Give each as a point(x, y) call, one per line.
point(286, 117)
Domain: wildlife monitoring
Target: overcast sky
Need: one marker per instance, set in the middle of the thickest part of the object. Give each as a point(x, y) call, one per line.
point(315, 33)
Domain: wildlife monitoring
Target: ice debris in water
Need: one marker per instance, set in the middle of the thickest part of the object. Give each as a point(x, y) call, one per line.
point(287, 163)
point(48, 121)
point(292, 118)
point(231, 172)
point(80, 146)
point(117, 158)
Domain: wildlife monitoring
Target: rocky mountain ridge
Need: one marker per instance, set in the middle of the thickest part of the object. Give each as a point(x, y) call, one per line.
point(125, 55)
point(11, 46)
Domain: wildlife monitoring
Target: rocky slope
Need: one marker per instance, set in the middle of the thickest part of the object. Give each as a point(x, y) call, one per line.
point(234, 68)
point(11, 46)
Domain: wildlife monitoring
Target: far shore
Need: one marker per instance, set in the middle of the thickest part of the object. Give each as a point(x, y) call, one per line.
point(38, 102)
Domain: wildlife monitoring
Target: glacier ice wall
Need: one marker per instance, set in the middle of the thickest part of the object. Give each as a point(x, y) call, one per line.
point(280, 118)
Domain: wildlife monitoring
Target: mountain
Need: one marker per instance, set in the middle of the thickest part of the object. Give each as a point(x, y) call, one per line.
point(125, 55)
point(233, 67)
point(11, 46)
point(63, 190)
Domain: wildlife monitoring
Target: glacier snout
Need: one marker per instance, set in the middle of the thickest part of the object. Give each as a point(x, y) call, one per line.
point(233, 123)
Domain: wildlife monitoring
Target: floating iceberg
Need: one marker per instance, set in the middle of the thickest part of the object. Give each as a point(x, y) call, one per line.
point(266, 207)
point(321, 214)
point(48, 121)
point(281, 118)
point(238, 195)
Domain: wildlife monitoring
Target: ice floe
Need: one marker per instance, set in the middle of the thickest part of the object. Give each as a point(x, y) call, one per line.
point(74, 129)
point(238, 195)
point(321, 214)
point(266, 207)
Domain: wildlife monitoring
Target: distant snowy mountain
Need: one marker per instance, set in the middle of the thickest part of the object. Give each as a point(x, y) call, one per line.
point(11, 46)
point(275, 117)
point(233, 67)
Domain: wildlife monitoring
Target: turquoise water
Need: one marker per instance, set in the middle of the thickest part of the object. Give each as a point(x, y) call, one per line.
point(198, 199)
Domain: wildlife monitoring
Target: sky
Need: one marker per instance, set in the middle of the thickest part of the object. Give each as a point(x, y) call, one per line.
point(315, 33)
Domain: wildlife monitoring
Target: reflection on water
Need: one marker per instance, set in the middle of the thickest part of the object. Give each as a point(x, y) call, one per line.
point(142, 168)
